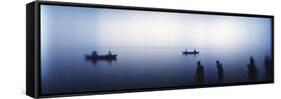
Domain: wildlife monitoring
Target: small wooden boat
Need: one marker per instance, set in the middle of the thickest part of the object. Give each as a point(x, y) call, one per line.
point(95, 56)
point(102, 57)
point(193, 52)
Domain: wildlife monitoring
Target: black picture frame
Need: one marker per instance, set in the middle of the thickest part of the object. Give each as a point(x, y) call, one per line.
point(33, 47)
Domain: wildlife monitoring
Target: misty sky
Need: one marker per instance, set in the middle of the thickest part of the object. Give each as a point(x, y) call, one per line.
point(75, 27)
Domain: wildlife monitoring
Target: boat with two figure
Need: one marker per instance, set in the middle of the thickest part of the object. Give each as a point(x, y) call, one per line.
point(194, 52)
point(108, 57)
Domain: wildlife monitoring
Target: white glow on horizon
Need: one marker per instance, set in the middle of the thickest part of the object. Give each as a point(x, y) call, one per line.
point(156, 29)
point(221, 35)
point(129, 28)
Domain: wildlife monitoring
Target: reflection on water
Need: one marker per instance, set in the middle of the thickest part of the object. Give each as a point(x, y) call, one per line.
point(95, 61)
point(69, 71)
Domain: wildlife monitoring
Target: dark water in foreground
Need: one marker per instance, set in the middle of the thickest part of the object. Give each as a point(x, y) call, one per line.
point(68, 71)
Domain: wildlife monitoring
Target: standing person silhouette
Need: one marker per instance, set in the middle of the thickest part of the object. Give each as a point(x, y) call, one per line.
point(109, 53)
point(252, 70)
point(94, 53)
point(268, 68)
point(220, 71)
point(199, 77)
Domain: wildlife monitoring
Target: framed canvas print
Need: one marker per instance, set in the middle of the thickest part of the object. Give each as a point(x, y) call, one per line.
point(80, 49)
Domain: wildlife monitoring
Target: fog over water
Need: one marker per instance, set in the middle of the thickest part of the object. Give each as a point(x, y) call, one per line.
point(149, 48)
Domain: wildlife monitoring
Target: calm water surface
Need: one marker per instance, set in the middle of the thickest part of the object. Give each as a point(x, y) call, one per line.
point(66, 71)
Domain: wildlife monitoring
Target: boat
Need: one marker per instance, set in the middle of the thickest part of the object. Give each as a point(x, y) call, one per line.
point(193, 52)
point(101, 57)
point(95, 56)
